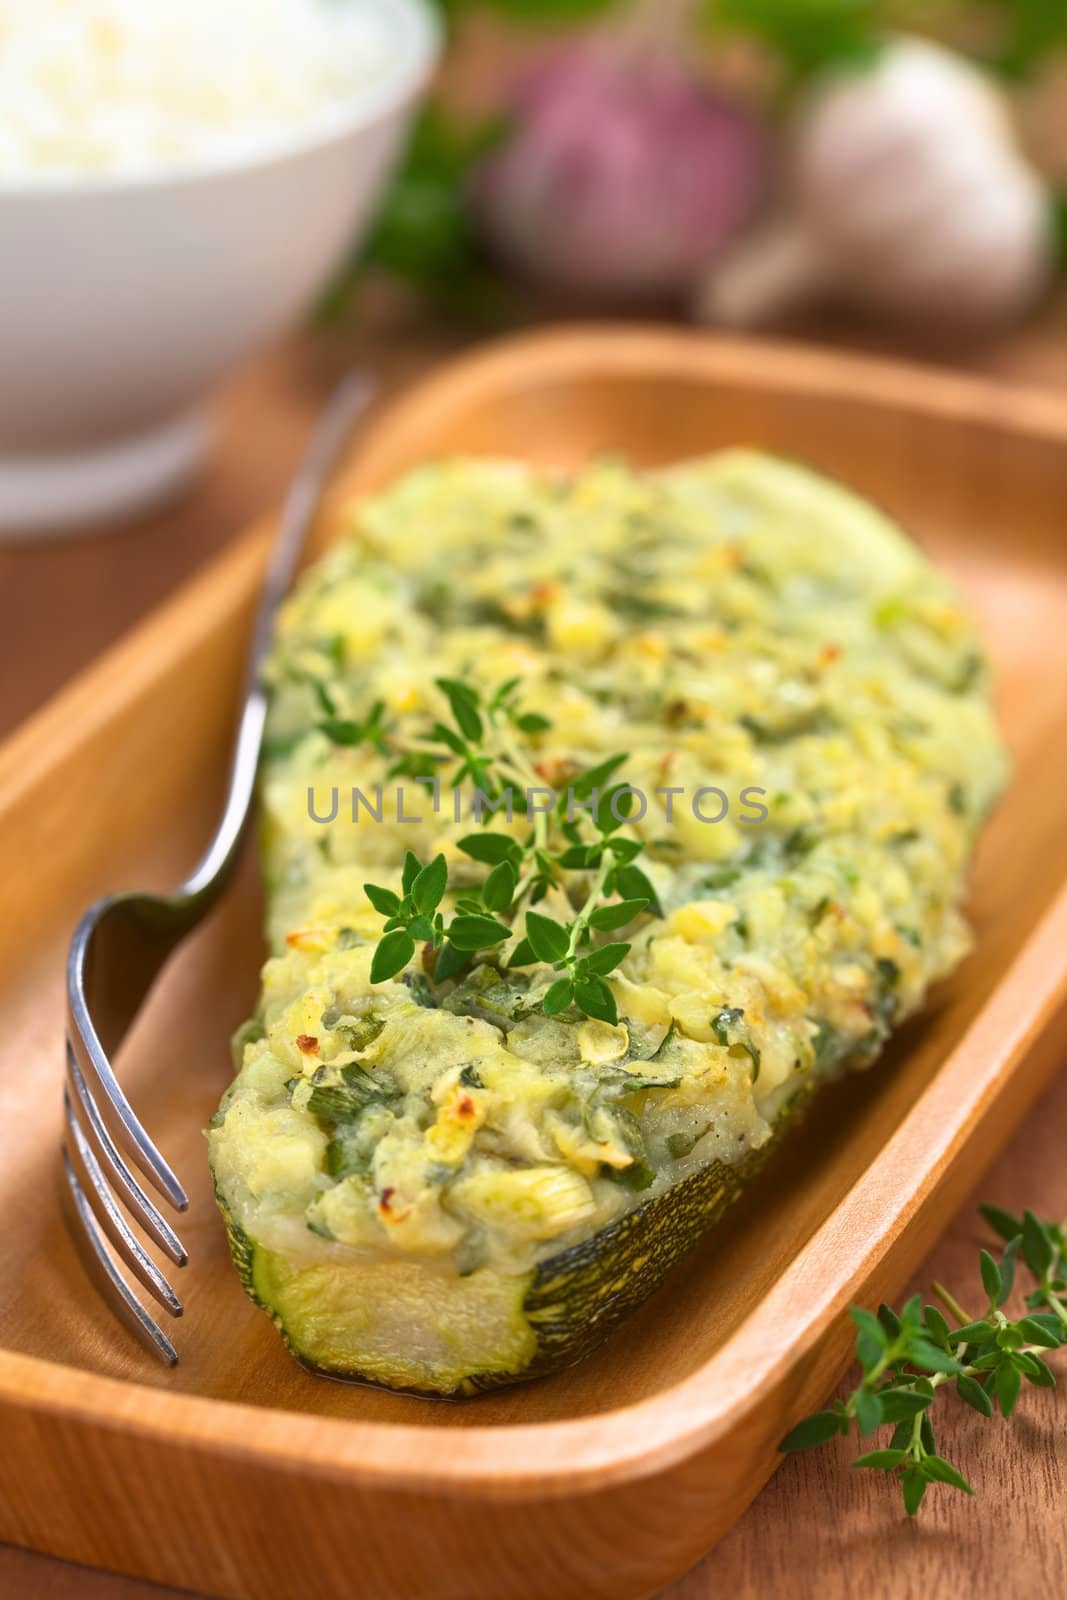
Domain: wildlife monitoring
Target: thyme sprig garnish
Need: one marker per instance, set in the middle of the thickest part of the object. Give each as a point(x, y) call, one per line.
point(907, 1357)
point(573, 851)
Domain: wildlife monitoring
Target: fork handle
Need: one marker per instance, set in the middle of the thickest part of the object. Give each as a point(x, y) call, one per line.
point(346, 405)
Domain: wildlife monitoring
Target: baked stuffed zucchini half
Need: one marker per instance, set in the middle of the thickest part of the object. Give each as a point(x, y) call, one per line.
point(457, 1167)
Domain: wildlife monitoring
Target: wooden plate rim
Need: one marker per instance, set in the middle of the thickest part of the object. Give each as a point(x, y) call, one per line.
point(560, 1457)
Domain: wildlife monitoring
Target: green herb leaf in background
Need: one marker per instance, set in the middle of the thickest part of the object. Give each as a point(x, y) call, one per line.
point(1031, 31)
point(424, 233)
point(806, 35)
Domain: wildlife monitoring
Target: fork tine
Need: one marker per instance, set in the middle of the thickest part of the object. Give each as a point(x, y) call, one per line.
point(94, 1187)
point(94, 1064)
point(140, 1206)
point(91, 1245)
point(122, 944)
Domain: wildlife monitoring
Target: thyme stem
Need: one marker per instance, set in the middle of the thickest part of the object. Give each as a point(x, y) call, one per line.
point(907, 1357)
point(950, 1302)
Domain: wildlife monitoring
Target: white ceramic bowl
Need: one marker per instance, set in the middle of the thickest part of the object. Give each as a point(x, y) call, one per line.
point(124, 301)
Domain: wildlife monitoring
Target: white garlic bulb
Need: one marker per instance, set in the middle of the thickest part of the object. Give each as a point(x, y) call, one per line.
point(908, 193)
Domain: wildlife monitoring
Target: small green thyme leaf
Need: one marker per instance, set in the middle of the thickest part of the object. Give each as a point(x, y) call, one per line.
point(450, 961)
point(884, 1459)
point(868, 1411)
point(907, 1356)
point(914, 1485)
point(1044, 1331)
point(889, 1320)
point(816, 1429)
point(940, 1471)
point(633, 884)
point(523, 955)
point(1038, 1373)
point(383, 900)
point(991, 1279)
point(548, 939)
point(970, 1390)
point(1007, 1268)
point(1002, 1222)
point(937, 1327)
point(595, 998)
point(429, 885)
point(1038, 1251)
point(463, 701)
point(477, 933)
point(558, 997)
point(604, 960)
point(499, 887)
point(616, 914)
point(973, 1332)
point(392, 955)
point(411, 869)
point(902, 1405)
point(595, 777)
point(491, 848)
point(1007, 1380)
point(926, 1355)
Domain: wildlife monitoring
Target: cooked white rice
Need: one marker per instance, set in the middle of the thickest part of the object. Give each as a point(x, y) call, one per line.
point(99, 87)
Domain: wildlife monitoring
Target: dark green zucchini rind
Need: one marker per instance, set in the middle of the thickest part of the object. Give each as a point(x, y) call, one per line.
point(242, 1249)
point(580, 1296)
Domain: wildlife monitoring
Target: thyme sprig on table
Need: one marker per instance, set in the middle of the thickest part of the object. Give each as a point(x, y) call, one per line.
point(907, 1358)
point(575, 848)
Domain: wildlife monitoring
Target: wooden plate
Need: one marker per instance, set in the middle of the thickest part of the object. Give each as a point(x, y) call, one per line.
point(237, 1473)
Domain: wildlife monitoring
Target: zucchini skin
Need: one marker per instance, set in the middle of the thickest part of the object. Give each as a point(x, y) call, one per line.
point(575, 1299)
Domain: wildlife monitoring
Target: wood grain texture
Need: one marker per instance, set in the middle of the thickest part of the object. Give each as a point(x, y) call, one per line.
point(821, 1532)
point(981, 476)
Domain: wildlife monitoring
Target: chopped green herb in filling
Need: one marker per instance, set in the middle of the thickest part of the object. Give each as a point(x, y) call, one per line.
point(484, 1042)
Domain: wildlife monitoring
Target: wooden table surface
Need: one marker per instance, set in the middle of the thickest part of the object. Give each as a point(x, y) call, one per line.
point(817, 1528)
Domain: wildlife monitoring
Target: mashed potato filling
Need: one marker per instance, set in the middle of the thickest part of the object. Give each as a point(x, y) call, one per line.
point(803, 706)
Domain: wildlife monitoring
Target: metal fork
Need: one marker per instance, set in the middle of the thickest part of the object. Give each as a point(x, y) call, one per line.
point(123, 941)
